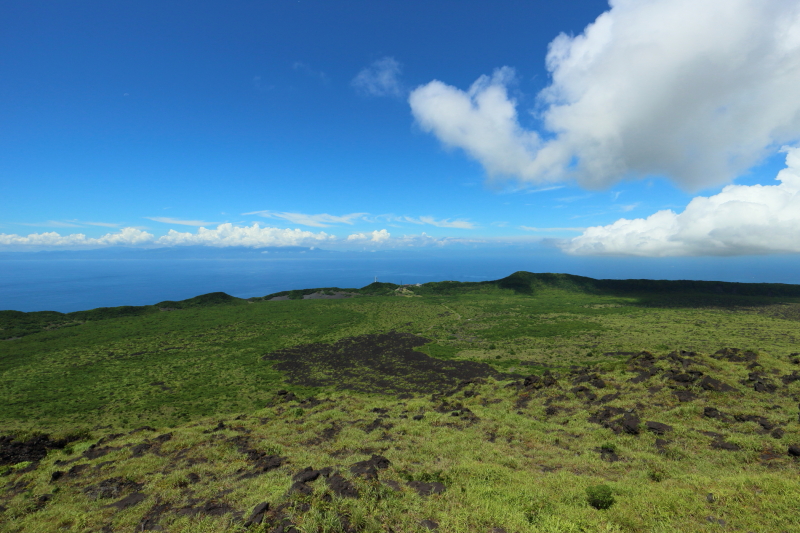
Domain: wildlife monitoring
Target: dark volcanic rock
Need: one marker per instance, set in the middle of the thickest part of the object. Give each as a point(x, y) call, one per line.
point(257, 516)
point(33, 449)
point(300, 488)
point(710, 384)
point(584, 392)
point(791, 378)
point(369, 469)
point(735, 355)
point(381, 363)
point(306, 475)
point(630, 424)
point(129, 501)
point(608, 454)
point(720, 444)
point(426, 489)
point(794, 451)
point(685, 395)
point(713, 412)
point(111, 488)
point(342, 487)
point(657, 427)
point(765, 424)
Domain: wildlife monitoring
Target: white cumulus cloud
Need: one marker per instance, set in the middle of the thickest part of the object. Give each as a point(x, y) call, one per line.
point(253, 236)
point(377, 236)
point(696, 90)
point(381, 78)
point(126, 236)
point(741, 219)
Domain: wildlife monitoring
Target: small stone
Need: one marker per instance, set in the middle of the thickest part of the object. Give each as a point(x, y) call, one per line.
point(429, 524)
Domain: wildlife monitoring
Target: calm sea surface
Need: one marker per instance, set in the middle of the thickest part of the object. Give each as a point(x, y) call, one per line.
point(71, 282)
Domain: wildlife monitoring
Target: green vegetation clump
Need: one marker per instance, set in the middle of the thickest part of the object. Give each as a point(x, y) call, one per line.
point(600, 496)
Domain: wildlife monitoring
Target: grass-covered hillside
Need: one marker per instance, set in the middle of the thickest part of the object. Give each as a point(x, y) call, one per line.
point(539, 402)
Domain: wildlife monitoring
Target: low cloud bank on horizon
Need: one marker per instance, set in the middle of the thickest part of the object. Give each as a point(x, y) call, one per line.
point(223, 236)
point(697, 92)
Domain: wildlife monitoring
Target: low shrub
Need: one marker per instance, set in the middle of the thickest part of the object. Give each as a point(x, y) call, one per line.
point(599, 496)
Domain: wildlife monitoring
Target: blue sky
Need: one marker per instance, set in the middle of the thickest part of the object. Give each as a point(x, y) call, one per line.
point(607, 129)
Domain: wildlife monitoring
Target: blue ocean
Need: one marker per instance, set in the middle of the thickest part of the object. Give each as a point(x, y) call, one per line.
point(72, 281)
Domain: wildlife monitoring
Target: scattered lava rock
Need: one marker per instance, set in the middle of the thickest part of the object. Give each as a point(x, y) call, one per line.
point(384, 363)
point(684, 395)
point(429, 524)
point(765, 424)
point(111, 488)
point(300, 488)
point(369, 469)
point(128, 501)
point(342, 487)
point(95, 452)
point(327, 434)
point(584, 393)
point(33, 449)
point(791, 378)
point(603, 417)
point(721, 444)
point(306, 475)
point(713, 412)
point(608, 454)
point(794, 451)
point(150, 520)
point(630, 424)
point(657, 427)
point(378, 423)
point(426, 489)
point(735, 355)
point(710, 384)
point(257, 516)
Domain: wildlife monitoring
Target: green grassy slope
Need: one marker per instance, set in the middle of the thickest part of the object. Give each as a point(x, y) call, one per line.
point(511, 453)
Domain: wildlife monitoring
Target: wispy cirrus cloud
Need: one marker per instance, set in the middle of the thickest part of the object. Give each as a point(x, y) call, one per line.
point(443, 223)
point(530, 228)
point(381, 78)
point(181, 222)
point(321, 220)
point(299, 66)
point(51, 224)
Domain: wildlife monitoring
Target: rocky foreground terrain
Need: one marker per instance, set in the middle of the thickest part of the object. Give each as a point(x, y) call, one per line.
point(686, 442)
